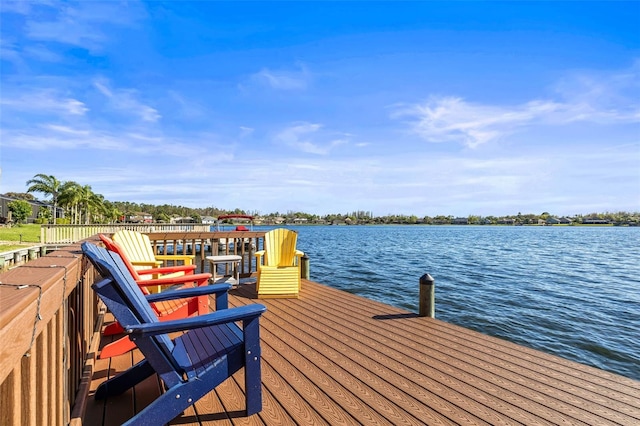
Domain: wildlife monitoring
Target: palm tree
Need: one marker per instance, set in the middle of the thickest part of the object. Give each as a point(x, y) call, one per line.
point(90, 202)
point(110, 211)
point(70, 195)
point(48, 185)
point(81, 202)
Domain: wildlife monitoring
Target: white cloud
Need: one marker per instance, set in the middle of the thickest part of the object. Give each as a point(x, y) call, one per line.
point(21, 7)
point(306, 137)
point(283, 80)
point(66, 129)
point(296, 135)
point(614, 98)
point(41, 53)
point(126, 101)
point(9, 51)
point(452, 119)
point(245, 131)
point(46, 100)
point(84, 24)
point(187, 107)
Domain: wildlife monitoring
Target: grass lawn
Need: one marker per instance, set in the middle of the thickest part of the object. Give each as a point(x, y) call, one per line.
point(26, 233)
point(10, 238)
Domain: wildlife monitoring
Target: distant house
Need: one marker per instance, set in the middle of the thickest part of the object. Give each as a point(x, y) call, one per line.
point(35, 208)
point(186, 219)
point(300, 220)
point(460, 221)
point(507, 221)
point(565, 221)
point(594, 221)
point(208, 220)
point(552, 221)
point(138, 217)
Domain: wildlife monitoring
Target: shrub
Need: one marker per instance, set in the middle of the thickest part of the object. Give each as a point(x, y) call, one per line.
point(20, 210)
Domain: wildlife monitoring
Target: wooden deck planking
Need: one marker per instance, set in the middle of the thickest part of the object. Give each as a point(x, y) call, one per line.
point(399, 376)
point(472, 356)
point(334, 358)
point(462, 374)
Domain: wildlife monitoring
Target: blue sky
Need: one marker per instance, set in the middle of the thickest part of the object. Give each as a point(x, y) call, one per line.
point(426, 108)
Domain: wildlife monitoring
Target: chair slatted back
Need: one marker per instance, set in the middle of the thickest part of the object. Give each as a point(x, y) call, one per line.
point(136, 246)
point(116, 247)
point(123, 297)
point(280, 247)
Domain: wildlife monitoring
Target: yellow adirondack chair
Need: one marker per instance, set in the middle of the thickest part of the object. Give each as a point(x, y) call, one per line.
point(137, 247)
point(278, 265)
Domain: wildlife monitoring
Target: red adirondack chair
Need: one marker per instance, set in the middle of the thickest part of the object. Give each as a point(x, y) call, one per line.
point(165, 310)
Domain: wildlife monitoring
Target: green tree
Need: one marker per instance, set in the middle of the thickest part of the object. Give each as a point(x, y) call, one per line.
point(20, 196)
point(90, 203)
point(48, 185)
point(69, 198)
point(162, 217)
point(20, 210)
point(111, 212)
point(44, 214)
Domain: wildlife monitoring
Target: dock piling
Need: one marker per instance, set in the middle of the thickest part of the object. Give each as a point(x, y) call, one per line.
point(427, 297)
point(304, 267)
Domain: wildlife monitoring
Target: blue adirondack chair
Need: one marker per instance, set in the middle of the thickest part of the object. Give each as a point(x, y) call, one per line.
point(213, 348)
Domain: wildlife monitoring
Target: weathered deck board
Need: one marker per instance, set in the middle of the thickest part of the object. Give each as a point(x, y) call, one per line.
point(334, 358)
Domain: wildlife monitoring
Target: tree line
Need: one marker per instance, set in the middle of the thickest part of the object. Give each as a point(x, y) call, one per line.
point(82, 206)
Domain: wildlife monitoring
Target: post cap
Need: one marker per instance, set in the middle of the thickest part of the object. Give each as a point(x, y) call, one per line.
point(427, 279)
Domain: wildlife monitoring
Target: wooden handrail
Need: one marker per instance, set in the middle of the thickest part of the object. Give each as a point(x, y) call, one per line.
point(48, 318)
point(68, 234)
point(203, 244)
point(13, 258)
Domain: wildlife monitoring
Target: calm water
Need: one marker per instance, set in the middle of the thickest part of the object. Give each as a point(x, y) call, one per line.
point(570, 291)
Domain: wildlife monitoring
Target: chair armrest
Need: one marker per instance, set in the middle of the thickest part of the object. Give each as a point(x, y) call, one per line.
point(187, 258)
point(183, 279)
point(242, 313)
point(259, 255)
point(187, 269)
point(188, 292)
point(154, 263)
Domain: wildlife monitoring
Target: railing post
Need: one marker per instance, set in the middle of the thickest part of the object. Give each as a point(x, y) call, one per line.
point(427, 296)
point(304, 267)
point(32, 254)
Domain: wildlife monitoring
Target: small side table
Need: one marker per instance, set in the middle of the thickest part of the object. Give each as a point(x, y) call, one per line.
point(232, 259)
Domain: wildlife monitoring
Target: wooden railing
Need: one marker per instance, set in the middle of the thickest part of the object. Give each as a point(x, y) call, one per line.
point(50, 323)
point(48, 318)
point(203, 244)
point(13, 258)
point(69, 234)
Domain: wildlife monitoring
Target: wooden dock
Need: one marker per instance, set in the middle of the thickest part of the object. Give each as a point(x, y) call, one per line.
point(334, 358)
